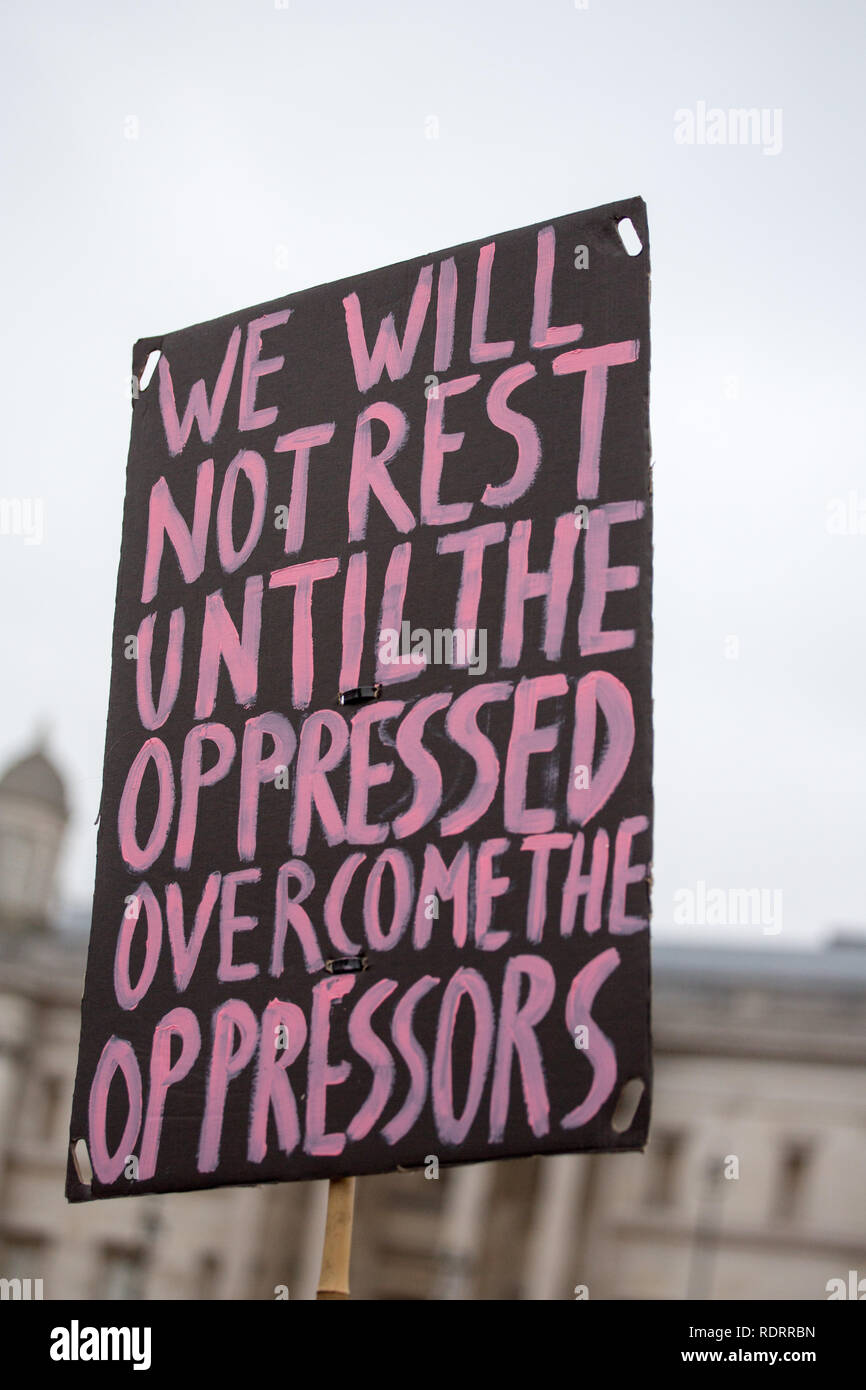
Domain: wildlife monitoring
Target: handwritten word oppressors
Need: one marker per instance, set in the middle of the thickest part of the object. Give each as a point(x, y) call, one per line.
point(362, 895)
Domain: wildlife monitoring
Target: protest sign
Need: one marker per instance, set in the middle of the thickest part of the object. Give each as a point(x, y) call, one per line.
point(374, 849)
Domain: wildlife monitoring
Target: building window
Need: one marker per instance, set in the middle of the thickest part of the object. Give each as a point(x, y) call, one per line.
point(207, 1276)
point(793, 1174)
point(49, 1098)
point(663, 1156)
point(23, 1256)
point(122, 1274)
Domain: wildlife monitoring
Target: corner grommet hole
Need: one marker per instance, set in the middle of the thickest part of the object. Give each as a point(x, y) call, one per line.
point(81, 1162)
point(627, 1104)
point(629, 237)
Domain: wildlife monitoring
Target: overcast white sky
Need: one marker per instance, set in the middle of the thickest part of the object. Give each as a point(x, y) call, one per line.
point(283, 147)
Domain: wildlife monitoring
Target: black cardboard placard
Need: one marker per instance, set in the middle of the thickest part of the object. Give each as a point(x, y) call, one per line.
point(341, 935)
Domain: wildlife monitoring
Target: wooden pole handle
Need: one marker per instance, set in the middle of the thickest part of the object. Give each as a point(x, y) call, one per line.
point(337, 1249)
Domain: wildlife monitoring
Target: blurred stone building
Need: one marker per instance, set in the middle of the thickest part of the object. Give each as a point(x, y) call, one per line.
point(751, 1187)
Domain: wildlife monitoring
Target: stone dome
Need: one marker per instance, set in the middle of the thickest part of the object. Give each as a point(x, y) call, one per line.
point(35, 778)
